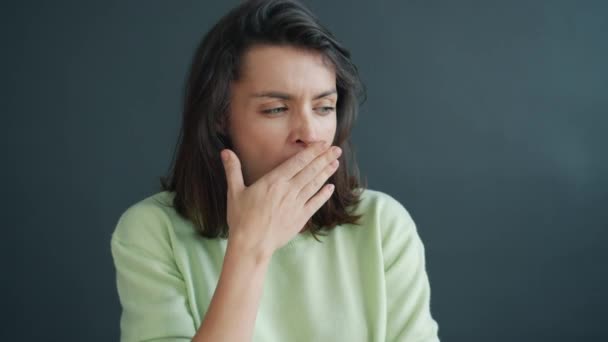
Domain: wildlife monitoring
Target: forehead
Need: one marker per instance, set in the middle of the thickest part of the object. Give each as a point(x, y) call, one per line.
point(287, 68)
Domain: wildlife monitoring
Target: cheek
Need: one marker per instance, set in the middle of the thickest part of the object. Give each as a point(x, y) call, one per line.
point(269, 132)
point(261, 139)
point(329, 129)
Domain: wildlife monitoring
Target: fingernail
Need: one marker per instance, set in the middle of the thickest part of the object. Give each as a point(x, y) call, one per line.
point(224, 154)
point(337, 151)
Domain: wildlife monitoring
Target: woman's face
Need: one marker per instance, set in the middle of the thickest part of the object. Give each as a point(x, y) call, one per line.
point(284, 100)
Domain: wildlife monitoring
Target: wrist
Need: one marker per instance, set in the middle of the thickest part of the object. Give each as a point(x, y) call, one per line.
point(243, 249)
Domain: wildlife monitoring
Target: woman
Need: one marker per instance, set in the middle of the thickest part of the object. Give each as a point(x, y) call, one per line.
point(262, 231)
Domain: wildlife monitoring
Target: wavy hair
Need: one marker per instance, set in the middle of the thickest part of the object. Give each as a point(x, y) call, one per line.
point(196, 174)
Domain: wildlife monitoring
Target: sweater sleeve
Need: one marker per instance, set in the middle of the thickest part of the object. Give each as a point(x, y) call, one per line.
point(150, 287)
point(407, 286)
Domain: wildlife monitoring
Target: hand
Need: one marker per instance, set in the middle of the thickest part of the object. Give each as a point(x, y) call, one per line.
point(267, 214)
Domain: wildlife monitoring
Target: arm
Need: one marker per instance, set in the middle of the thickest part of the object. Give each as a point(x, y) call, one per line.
point(262, 217)
point(150, 284)
point(407, 285)
point(233, 308)
point(151, 289)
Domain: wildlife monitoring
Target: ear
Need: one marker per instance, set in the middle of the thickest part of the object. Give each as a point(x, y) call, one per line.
point(221, 125)
point(219, 128)
point(222, 133)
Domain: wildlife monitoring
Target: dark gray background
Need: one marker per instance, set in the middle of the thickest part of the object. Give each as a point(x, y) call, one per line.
point(486, 119)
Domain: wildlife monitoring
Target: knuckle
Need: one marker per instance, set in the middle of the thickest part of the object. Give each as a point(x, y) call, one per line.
point(331, 168)
point(305, 190)
point(300, 161)
point(314, 169)
point(278, 184)
point(273, 178)
point(272, 184)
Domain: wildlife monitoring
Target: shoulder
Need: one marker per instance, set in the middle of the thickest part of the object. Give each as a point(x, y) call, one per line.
point(378, 203)
point(386, 213)
point(146, 222)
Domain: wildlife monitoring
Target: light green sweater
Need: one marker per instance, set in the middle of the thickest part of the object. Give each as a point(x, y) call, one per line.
point(362, 283)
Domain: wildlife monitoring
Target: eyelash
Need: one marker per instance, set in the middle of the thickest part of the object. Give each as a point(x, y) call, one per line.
point(327, 110)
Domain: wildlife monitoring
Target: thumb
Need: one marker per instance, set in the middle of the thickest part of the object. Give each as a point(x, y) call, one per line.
point(232, 167)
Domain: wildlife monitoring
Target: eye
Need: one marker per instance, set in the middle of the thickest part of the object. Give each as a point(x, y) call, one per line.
point(274, 110)
point(326, 110)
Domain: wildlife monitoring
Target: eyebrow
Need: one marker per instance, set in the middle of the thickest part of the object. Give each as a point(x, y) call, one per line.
point(286, 96)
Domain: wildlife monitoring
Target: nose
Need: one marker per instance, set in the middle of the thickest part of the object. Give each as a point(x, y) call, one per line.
point(305, 128)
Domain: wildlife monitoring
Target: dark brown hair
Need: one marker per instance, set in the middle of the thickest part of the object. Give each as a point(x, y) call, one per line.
point(197, 174)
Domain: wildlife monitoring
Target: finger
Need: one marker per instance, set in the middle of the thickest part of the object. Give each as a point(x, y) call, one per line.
point(317, 182)
point(232, 167)
point(293, 165)
point(317, 201)
point(312, 170)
